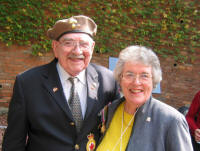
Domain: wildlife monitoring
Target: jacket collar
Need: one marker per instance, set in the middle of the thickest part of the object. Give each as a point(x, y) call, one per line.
point(141, 110)
point(53, 85)
point(92, 88)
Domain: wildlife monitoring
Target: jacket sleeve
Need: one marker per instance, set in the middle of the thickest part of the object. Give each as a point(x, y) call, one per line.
point(193, 110)
point(16, 132)
point(178, 136)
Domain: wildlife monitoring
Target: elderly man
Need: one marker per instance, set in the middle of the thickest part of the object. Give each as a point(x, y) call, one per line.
point(55, 107)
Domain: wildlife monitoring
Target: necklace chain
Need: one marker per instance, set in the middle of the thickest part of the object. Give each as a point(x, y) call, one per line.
point(123, 132)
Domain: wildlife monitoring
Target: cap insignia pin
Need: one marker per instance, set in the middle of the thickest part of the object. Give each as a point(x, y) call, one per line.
point(73, 22)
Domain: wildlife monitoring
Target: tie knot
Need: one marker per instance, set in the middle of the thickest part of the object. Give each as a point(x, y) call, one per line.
point(73, 80)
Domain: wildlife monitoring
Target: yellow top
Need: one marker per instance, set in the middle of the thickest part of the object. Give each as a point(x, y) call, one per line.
point(111, 140)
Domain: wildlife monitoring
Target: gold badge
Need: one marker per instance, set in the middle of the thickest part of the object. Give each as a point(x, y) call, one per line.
point(103, 128)
point(55, 89)
point(73, 22)
point(91, 144)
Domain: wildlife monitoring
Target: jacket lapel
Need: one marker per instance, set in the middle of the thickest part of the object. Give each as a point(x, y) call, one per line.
point(142, 119)
point(53, 85)
point(92, 88)
point(111, 110)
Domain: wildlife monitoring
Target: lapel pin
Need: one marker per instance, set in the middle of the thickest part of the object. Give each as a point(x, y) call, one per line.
point(55, 89)
point(148, 119)
point(93, 86)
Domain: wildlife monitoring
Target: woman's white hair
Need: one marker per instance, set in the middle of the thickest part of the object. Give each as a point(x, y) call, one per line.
point(139, 54)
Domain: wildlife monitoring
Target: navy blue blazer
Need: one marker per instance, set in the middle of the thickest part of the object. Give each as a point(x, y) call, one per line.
point(39, 117)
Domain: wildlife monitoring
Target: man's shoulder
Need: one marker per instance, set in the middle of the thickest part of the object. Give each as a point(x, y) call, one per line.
point(100, 68)
point(37, 70)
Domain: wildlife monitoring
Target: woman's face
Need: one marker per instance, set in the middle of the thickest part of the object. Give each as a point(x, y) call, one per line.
point(136, 83)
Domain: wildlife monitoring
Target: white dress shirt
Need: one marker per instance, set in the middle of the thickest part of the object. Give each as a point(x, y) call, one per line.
point(81, 86)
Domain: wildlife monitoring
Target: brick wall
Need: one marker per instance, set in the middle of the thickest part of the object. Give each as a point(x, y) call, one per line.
point(179, 85)
point(14, 60)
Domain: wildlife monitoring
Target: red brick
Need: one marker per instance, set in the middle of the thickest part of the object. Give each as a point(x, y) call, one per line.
point(179, 85)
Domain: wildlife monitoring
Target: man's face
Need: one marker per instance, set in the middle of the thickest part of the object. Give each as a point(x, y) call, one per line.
point(74, 52)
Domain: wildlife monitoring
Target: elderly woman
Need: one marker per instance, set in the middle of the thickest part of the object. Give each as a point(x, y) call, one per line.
point(139, 122)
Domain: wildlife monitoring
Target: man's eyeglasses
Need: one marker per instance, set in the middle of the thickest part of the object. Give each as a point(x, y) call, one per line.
point(130, 76)
point(73, 44)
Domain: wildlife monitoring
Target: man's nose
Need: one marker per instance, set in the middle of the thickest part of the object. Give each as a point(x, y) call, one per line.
point(77, 49)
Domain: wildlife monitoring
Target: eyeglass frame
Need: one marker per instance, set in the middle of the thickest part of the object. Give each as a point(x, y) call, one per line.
point(130, 77)
point(83, 45)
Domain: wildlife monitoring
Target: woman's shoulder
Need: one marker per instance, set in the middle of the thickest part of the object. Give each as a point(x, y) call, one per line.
point(164, 110)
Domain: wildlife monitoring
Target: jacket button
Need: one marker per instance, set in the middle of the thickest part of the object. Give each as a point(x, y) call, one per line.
point(77, 147)
point(72, 123)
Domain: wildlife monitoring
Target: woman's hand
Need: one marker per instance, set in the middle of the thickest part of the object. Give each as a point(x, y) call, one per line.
point(197, 135)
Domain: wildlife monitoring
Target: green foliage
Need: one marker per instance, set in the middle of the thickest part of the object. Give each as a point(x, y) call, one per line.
point(169, 27)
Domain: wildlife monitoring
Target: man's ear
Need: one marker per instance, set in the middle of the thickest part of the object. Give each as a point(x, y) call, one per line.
point(93, 44)
point(54, 45)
